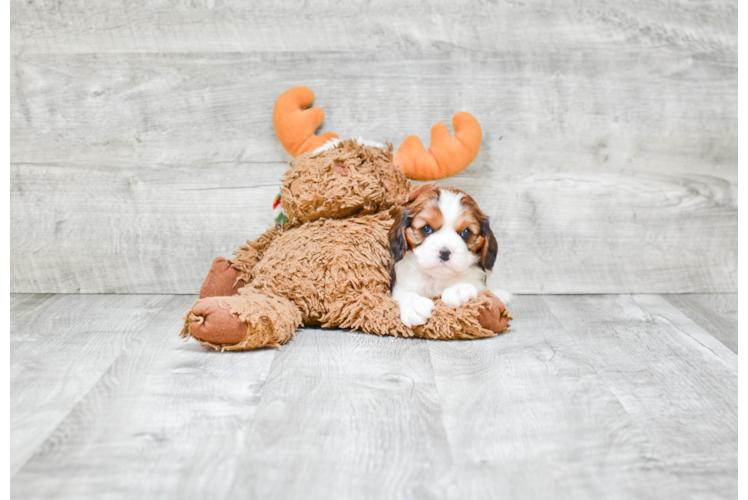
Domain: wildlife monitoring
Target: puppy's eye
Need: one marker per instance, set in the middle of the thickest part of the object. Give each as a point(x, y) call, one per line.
point(427, 230)
point(466, 234)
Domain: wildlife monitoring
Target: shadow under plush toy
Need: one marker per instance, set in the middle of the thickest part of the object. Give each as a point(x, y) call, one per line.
point(329, 263)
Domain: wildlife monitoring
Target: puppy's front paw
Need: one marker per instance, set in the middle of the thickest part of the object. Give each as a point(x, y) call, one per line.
point(416, 311)
point(503, 295)
point(458, 294)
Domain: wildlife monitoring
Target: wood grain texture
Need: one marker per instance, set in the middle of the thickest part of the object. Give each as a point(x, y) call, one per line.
point(585, 397)
point(606, 109)
point(59, 348)
point(662, 310)
point(151, 229)
point(586, 232)
point(617, 213)
point(528, 416)
point(347, 415)
point(715, 313)
point(167, 420)
point(743, 423)
point(609, 159)
point(234, 26)
point(25, 304)
point(133, 229)
point(677, 382)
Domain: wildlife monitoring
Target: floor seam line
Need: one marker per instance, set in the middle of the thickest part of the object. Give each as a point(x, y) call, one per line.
point(88, 391)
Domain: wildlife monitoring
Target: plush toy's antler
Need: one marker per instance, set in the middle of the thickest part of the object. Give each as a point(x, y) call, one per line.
point(447, 155)
point(295, 125)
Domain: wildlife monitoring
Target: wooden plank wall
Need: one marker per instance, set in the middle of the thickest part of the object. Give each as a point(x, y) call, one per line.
point(142, 144)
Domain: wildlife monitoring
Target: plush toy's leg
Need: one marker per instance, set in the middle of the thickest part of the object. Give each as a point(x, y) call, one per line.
point(223, 279)
point(379, 313)
point(240, 322)
point(247, 256)
point(226, 277)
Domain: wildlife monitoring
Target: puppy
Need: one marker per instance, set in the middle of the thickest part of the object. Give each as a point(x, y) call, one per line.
point(441, 244)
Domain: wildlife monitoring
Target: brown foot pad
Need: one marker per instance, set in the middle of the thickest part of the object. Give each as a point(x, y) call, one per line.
point(241, 322)
point(213, 322)
point(222, 280)
point(495, 316)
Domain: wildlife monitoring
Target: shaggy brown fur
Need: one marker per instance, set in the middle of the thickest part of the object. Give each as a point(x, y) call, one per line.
point(313, 188)
point(330, 264)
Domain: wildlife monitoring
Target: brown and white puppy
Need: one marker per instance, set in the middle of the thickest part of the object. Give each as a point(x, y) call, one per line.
point(442, 245)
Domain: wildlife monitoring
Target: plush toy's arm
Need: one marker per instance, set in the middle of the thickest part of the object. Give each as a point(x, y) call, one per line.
point(247, 256)
point(378, 313)
point(253, 319)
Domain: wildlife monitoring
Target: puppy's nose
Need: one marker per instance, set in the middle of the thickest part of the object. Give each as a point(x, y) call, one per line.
point(444, 254)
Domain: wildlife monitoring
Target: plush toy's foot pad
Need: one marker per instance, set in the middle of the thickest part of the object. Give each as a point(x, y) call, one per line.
point(213, 322)
point(242, 322)
point(494, 316)
point(222, 280)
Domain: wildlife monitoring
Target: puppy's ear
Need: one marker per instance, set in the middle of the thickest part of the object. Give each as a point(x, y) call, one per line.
point(419, 191)
point(490, 247)
point(398, 245)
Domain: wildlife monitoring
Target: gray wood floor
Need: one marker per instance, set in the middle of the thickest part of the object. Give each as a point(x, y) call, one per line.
point(587, 396)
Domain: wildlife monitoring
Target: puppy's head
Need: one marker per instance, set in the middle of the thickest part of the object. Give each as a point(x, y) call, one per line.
point(445, 230)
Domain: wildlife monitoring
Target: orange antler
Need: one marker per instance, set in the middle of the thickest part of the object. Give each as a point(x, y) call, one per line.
point(295, 125)
point(447, 155)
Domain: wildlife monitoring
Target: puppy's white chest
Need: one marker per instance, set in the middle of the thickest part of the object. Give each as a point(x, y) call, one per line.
point(431, 286)
point(411, 277)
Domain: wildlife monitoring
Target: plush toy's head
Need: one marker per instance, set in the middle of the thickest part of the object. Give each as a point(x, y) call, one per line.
point(295, 123)
point(348, 179)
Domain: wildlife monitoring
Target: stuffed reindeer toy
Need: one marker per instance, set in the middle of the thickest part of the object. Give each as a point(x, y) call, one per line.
point(329, 262)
